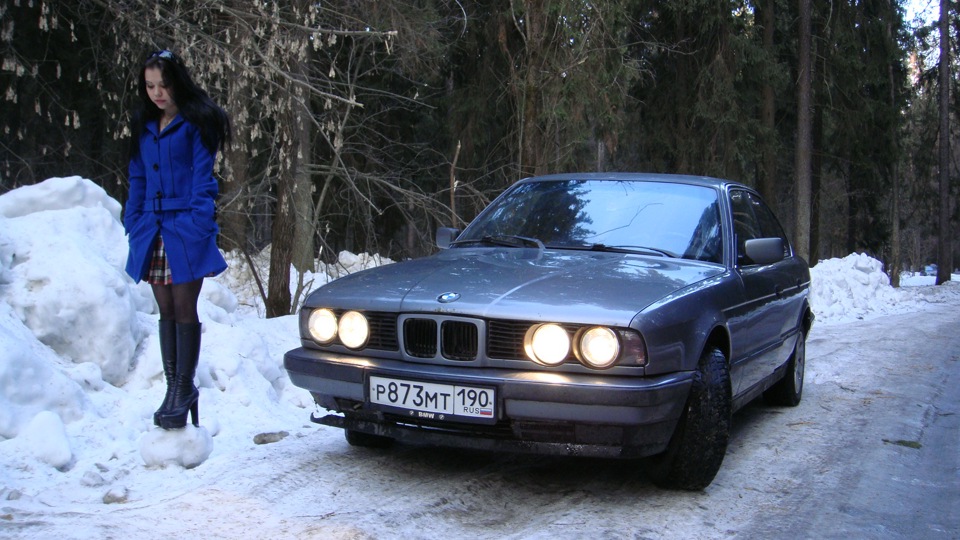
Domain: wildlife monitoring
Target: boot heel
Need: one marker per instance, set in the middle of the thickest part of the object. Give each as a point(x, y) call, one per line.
point(176, 418)
point(195, 413)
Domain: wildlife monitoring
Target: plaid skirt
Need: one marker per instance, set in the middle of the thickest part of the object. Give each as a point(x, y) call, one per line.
point(159, 271)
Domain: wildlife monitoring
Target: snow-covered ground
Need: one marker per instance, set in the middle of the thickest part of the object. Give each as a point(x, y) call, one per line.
point(80, 371)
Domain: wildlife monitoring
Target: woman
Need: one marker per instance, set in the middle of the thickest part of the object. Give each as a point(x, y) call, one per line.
point(170, 219)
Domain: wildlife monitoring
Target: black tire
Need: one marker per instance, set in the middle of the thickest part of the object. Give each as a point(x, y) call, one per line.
point(366, 440)
point(789, 390)
point(699, 443)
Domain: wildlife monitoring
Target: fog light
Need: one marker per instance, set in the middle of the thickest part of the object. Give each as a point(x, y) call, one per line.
point(353, 329)
point(322, 325)
point(548, 344)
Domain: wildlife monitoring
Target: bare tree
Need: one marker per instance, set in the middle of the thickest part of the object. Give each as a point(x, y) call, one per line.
point(259, 59)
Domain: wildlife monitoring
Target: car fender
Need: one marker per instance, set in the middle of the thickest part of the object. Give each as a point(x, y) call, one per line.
point(679, 327)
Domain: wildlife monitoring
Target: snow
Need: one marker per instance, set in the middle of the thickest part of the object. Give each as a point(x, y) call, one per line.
point(79, 356)
point(80, 370)
point(855, 288)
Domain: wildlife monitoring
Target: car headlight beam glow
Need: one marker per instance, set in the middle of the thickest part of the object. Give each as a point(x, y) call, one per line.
point(599, 347)
point(353, 329)
point(548, 344)
point(322, 325)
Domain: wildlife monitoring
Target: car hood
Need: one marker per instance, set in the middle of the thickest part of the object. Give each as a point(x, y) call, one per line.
point(518, 283)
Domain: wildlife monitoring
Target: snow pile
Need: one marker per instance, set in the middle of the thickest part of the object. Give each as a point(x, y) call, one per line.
point(80, 370)
point(187, 447)
point(45, 438)
point(855, 287)
point(63, 244)
point(33, 379)
point(850, 288)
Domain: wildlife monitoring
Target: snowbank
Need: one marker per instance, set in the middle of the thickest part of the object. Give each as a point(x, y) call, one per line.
point(855, 287)
point(63, 248)
point(80, 371)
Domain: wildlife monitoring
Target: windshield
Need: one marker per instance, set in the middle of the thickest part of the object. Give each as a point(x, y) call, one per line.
point(647, 217)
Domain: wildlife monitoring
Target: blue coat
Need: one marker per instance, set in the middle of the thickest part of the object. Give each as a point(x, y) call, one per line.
point(172, 192)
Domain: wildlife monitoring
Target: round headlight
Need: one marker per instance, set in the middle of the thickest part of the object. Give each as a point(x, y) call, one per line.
point(599, 347)
point(353, 329)
point(547, 344)
point(322, 325)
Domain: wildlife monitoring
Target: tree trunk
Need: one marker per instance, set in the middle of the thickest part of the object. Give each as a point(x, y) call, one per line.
point(454, 222)
point(817, 137)
point(804, 128)
point(768, 180)
point(302, 255)
point(893, 268)
point(281, 251)
point(532, 148)
point(303, 245)
point(285, 219)
point(234, 210)
point(944, 242)
point(293, 218)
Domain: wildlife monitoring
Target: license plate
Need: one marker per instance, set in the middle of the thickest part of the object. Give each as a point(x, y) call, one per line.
point(434, 401)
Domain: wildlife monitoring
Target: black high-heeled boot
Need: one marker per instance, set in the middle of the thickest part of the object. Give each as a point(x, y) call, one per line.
point(168, 356)
point(185, 394)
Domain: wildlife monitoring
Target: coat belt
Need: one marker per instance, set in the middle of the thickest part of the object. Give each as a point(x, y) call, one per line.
point(161, 204)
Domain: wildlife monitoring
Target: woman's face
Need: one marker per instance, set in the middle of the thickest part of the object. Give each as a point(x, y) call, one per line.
point(159, 93)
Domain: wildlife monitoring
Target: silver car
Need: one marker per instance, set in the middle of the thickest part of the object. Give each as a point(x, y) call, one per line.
point(612, 315)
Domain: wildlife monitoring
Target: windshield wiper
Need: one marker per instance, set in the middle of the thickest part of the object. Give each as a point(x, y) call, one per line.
point(629, 249)
point(507, 240)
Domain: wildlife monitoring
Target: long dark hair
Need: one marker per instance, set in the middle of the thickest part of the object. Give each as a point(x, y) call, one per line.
point(192, 102)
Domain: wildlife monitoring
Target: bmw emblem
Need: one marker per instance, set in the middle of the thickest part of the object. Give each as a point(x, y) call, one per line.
point(448, 297)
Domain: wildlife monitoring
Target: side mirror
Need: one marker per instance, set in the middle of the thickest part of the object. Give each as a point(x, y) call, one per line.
point(445, 236)
point(764, 250)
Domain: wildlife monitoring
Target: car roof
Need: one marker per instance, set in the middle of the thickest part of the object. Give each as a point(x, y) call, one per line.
point(706, 181)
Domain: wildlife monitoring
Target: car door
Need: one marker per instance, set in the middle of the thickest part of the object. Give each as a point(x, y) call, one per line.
point(791, 280)
point(761, 324)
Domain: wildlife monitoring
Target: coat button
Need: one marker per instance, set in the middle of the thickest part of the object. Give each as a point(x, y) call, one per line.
point(154, 138)
point(158, 222)
point(156, 167)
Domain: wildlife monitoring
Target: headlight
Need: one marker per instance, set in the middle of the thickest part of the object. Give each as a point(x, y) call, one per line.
point(547, 344)
point(599, 347)
point(353, 329)
point(322, 325)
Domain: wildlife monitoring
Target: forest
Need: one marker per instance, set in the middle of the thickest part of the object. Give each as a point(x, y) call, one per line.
point(363, 125)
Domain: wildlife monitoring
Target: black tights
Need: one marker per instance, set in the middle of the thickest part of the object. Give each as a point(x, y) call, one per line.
point(178, 302)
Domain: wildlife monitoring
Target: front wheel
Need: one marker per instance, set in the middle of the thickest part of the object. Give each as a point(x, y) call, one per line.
point(699, 443)
point(788, 390)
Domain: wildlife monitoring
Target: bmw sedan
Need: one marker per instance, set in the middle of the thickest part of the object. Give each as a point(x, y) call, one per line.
point(612, 315)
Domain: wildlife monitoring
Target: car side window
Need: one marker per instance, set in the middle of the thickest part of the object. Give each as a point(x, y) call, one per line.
point(769, 226)
point(754, 219)
point(745, 223)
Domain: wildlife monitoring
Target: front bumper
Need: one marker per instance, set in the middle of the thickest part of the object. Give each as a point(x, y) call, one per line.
point(537, 411)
